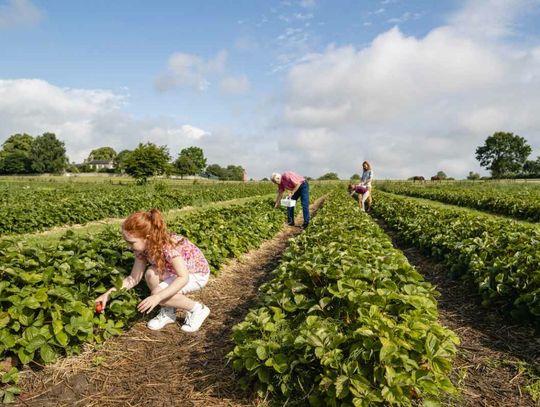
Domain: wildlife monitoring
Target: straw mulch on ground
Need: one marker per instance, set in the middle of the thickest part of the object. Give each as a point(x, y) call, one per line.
point(167, 367)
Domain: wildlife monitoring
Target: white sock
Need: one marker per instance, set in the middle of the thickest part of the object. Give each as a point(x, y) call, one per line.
point(197, 307)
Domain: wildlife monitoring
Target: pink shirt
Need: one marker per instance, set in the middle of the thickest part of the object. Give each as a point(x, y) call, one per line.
point(193, 257)
point(289, 180)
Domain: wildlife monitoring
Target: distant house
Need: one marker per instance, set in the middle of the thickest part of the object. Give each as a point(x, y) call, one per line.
point(97, 165)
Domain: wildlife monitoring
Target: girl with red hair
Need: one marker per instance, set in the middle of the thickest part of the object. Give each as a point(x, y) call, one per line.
point(176, 267)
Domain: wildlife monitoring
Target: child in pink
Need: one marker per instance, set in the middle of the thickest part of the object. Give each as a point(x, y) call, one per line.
point(176, 267)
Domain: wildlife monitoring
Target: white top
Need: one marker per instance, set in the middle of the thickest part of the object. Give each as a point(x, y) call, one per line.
point(367, 177)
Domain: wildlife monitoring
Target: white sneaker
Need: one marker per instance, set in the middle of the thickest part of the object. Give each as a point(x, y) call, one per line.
point(167, 315)
point(194, 319)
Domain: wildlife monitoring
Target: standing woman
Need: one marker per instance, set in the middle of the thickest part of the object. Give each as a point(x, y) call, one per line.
point(367, 177)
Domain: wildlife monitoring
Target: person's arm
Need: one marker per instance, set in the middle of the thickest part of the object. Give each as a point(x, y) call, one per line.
point(295, 189)
point(180, 268)
point(278, 198)
point(137, 272)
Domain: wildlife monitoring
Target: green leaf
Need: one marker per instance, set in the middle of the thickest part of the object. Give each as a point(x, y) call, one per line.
point(47, 353)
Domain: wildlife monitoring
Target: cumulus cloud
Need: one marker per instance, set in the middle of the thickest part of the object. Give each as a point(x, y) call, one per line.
point(411, 105)
point(19, 13)
point(191, 71)
point(85, 119)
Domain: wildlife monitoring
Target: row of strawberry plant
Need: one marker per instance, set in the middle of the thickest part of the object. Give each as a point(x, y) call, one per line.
point(500, 256)
point(46, 293)
point(29, 210)
point(345, 321)
point(517, 201)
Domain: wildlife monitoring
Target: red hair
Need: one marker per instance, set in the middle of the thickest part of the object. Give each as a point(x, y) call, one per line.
point(151, 226)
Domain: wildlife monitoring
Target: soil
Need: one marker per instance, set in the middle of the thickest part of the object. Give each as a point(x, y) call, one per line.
point(489, 367)
point(167, 367)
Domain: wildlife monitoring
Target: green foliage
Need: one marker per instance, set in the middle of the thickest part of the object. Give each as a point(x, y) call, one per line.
point(345, 321)
point(120, 161)
point(48, 154)
point(190, 161)
point(520, 201)
point(47, 293)
point(473, 176)
point(231, 173)
point(355, 177)
point(15, 154)
point(102, 153)
point(146, 161)
point(329, 176)
point(499, 256)
point(504, 154)
point(37, 208)
point(441, 175)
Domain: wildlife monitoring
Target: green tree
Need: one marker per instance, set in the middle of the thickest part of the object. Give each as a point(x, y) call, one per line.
point(473, 176)
point(215, 170)
point(119, 161)
point(234, 173)
point(190, 161)
point(146, 161)
point(329, 176)
point(441, 175)
point(102, 153)
point(503, 154)
point(48, 154)
point(532, 168)
point(355, 177)
point(15, 154)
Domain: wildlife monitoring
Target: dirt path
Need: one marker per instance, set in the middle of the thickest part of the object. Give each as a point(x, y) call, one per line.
point(167, 367)
point(489, 368)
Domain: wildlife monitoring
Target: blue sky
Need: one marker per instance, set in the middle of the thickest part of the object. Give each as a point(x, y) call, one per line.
point(313, 86)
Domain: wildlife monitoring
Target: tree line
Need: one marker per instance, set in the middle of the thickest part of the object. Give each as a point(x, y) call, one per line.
point(504, 154)
point(25, 154)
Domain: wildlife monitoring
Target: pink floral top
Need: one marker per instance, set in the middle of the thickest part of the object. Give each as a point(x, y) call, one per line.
point(193, 257)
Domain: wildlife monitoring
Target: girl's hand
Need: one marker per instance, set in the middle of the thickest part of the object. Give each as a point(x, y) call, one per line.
point(148, 304)
point(103, 298)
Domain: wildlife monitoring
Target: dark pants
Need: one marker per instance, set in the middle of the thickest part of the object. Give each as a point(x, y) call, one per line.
point(303, 193)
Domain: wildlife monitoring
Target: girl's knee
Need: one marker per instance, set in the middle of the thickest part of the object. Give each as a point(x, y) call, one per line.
point(152, 278)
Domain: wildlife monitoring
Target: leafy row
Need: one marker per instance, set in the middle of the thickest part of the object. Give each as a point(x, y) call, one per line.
point(345, 321)
point(500, 256)
point(520, 202)
point(28, 210)
point(46, 293)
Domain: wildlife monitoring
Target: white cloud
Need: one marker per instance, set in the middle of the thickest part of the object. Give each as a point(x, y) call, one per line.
point(238, 85)
point(191, 71)
point(407, 16)
point(19, 13)
point(84, 119)
point(412, 106)
point(490, 18)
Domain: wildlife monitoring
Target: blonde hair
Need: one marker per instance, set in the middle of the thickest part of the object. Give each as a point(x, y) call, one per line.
point(275, 175)
point(151, 226)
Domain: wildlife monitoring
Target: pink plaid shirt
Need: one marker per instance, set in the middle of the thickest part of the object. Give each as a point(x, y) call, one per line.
point(289, 180)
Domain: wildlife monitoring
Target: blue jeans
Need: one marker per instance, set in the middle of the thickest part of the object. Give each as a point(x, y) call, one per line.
point(303, 193)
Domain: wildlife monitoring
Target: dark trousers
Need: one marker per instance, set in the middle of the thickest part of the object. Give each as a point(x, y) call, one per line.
point(303, 193)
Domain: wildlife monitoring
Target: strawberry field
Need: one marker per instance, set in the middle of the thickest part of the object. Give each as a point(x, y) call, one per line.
point(343, 319)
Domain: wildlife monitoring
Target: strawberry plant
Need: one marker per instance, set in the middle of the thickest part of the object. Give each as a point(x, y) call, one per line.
point(345, 321)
